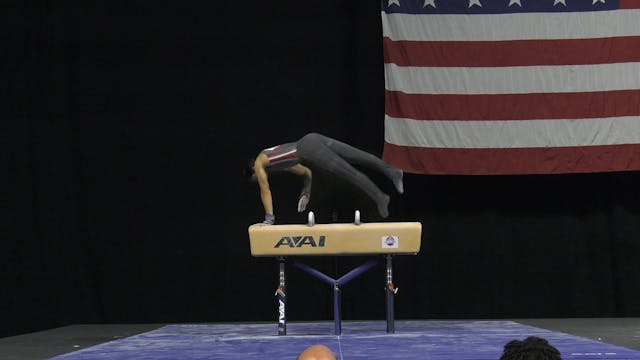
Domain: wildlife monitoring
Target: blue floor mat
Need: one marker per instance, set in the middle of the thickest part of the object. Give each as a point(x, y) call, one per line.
point(433, 340)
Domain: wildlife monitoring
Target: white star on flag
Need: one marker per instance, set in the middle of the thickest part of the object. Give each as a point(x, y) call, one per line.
point(474, 2)
point(556, 2)
point(517, 2)
point(391, 2)
point(597, 1)
point(429, 2)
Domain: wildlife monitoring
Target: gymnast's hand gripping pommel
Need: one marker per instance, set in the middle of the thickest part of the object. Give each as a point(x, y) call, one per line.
point(337, 158)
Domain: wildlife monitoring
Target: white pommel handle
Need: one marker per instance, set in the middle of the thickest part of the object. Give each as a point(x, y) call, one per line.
point(311, 220)
point(356, 219)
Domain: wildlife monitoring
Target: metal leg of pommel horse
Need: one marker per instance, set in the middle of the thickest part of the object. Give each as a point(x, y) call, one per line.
point(336, 284)
point(282, 299)
point(391, 290)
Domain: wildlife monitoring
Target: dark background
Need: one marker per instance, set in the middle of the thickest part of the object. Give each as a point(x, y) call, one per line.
point(129, 124)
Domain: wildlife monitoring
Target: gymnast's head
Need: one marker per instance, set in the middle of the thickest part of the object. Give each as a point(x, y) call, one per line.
point(248, 172)
point(531, 348)
point(317, 352)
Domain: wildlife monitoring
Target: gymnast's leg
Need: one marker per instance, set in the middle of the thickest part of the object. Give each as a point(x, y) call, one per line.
point(362, 158)
point(313, 150)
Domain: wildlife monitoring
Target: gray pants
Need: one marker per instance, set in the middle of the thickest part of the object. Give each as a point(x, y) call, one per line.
point(336, 158)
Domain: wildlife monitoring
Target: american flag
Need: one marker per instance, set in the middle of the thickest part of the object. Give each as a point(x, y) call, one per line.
point(512, 86)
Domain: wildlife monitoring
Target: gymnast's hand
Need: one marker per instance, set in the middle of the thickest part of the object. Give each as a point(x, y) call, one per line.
point(302, 202)
point(269, 219)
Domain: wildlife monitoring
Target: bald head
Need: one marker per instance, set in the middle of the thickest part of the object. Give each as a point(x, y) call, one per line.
point(316, 352)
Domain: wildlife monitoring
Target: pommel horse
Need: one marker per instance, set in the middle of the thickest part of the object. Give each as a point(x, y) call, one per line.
point(387, 239)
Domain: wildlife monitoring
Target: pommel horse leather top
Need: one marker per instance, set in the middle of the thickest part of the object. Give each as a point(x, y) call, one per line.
point(336, 239)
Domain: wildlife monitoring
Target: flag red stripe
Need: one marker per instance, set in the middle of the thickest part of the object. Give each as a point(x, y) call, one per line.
point(629, 4)
point(513, 106)
point(512, 53)
point(555, 160)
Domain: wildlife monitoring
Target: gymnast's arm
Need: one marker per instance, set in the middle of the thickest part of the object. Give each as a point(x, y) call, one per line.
point(263, 182)
point(305, 194)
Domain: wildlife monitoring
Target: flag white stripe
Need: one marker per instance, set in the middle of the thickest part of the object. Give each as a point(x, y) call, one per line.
point(512, 80)
point(512, 134)
point(499, 27)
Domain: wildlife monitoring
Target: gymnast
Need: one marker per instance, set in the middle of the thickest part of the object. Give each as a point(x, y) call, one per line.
point(317, 151)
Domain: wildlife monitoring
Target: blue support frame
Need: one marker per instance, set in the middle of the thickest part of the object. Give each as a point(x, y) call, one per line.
point(336, 284)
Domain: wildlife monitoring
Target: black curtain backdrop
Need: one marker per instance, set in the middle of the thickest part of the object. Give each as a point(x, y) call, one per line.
point(128, 126)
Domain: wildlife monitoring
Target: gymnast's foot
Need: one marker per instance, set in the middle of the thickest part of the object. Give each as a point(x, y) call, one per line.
point(397, 180)
point(383, 206)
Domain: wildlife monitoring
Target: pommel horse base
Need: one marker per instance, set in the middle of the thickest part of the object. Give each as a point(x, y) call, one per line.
point(387, 239)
